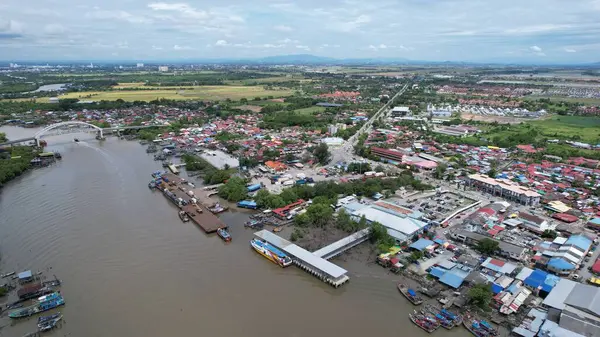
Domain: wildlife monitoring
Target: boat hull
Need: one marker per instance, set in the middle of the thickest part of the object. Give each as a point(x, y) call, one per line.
point(269, 255)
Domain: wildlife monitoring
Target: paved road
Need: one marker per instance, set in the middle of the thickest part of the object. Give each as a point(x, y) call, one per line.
point(345, 152)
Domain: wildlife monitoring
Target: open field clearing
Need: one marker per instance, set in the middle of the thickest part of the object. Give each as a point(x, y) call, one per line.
point(311, 110)
point(566, 99)
point(216, 92)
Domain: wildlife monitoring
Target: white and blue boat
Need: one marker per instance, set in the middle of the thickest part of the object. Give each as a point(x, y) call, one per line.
point(44, 303)
point(271, 253)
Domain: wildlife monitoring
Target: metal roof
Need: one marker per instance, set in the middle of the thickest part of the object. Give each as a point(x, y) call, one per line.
point(558, 295)
point(586, 298)
point(405, 225)
point(341, 243)
point(524, 273)
point(315, 261)
point(579, 241)
point(453, 280)
point(273, 239)
point(421, 244)
point(25, 274)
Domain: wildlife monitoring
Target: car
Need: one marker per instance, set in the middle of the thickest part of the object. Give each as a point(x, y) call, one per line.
point(445, 232)
point(575, 276)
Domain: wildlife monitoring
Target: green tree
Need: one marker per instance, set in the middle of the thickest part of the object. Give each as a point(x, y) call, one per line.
point(440, 170)
point(415, 256)
point(549, 234)
point(487, 246)
point(289, 196)
point(481, 295)
point(322, 154)
point(234, 189)
point(3, 137)
point(319, 214)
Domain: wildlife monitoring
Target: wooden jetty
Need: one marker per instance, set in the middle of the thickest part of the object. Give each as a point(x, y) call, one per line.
point(197, 212)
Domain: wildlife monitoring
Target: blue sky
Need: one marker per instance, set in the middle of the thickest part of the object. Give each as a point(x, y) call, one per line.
point(437, 30)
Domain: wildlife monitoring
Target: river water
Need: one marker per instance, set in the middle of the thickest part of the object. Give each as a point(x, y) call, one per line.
point(131, 268)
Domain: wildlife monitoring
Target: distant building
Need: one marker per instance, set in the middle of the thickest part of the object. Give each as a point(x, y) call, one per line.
point(53, 100)
point(140, 65)
point(505, 188)
point(333, 141)
point(390, 155)
point(163, 68)
point(400, 111)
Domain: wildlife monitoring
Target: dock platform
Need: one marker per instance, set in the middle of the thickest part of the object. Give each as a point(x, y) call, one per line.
point(198, 213)
point(317, 266)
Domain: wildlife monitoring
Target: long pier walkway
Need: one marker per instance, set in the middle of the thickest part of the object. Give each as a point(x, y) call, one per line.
point(343, 245)
point(318, 266)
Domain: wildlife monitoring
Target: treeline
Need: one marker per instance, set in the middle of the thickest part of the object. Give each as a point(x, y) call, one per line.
point(14, 162)
point(212, 175)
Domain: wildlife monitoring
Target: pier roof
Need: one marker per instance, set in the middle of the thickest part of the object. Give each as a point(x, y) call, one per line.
point(273, 239)
point(341, 243)
point(315, 261)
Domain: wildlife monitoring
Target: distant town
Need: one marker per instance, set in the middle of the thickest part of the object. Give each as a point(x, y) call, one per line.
point(477, 187)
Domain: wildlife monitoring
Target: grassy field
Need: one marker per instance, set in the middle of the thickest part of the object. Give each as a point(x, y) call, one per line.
point(268, 80)
point(310, 111)
point(216, 92)
point(561, 127)
point(593, 101)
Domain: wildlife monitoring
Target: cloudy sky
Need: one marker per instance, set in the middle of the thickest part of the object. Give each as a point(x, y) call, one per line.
point(437, 30)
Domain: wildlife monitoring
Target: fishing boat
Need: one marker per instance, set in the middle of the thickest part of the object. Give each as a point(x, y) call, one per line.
point(456, 319)
point(223, 234)
point(8, 274)
point(479, 328)
point(433, 312)
point(424, 322)
point(254, 224)
point(76, 140)
point(44, 303)
point(44, 319)
point(50, 323)
point(271, 253)
point(410, 294)
point(183, 216)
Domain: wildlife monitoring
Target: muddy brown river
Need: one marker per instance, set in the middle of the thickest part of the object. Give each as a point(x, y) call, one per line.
point(131, 268)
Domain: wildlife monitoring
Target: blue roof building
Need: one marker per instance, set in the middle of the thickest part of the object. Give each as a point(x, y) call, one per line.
point(452, 280)
point(560, 264)
point(421, 244)
point(580, 241)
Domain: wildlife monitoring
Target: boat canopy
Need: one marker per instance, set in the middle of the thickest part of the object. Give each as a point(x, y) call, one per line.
point(412, 292)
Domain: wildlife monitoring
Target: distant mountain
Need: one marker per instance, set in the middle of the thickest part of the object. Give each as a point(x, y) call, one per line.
point(295, 59)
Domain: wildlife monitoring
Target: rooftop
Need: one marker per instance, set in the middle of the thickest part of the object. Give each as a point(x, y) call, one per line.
point(505, 184)
point(402, 224)
point(315, 261)
point(558, 295)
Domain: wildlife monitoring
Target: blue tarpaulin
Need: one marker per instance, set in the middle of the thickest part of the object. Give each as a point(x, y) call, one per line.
point(536, 278)
point(547, 288)
point(247, 204)
point(496, 288)
point(412, 292)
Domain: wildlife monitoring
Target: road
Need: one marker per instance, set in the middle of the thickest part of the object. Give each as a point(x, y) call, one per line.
point(346, 151)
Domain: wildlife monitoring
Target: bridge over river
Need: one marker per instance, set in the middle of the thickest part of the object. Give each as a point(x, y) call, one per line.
point(71, 127)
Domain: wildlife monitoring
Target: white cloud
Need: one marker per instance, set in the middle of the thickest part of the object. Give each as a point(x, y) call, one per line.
point(288, 41)
point(157, 48)
point(537, 51)
point(343, 25)
point(270, 45)
point(570, 50)
point(221, 43)
point(307, 48)
point(535, 48)
point(11, 27)
point(382, 46)
point(283, 28)
point(118, 15)
point(54, 29)
point(178, 47)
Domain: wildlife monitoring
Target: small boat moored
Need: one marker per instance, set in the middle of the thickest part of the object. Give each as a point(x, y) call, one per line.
point(183, 216)
point(76, 140)
point(223, 234)
point(50, 322)
point(410, 294)
point(8, 274)
point(45, 303)
point(424, 322)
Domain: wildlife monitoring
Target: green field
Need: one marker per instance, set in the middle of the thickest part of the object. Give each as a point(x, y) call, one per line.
point(310, 111)
point(214, 92)
point(593, 101)
point(585, 129)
